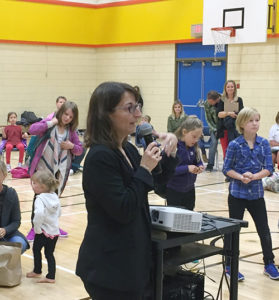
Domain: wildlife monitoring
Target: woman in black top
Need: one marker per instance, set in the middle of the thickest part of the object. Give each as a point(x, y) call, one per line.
point(115, 256)
point(10, 215)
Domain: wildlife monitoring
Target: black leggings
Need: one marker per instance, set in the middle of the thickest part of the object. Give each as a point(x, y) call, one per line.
point(41, 241)
point(101, 293)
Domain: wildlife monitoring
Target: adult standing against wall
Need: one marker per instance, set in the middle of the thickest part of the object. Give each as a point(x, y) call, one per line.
point(177, 116)
point(115, 256)
point(227, 110)
point(210, 109)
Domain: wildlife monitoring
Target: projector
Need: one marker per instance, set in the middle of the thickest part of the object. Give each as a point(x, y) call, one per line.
point(175, 219)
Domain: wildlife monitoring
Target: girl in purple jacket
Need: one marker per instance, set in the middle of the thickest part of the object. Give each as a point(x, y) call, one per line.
point(55, 154)
point(181, 187)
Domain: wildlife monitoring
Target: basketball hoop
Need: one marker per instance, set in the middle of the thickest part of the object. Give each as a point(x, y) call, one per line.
point(221, 37)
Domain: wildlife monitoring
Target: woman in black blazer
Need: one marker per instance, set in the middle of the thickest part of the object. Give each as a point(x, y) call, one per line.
point(115, 256)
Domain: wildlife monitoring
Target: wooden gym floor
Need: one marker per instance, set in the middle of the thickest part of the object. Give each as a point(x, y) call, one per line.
point(211, 194)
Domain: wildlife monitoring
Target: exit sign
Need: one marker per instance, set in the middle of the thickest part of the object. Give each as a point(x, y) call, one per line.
point(196, 30)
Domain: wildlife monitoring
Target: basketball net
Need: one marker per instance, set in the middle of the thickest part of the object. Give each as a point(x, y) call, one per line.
point(221, 37)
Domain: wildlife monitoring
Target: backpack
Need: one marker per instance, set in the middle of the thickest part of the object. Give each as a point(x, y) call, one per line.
point(29, 117)
point(30, 149)
point(20, 172)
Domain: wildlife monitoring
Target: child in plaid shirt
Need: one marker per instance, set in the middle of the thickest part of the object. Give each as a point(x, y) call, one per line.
point(248, 160)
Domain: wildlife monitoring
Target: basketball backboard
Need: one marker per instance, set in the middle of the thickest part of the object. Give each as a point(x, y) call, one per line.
point(248, 17)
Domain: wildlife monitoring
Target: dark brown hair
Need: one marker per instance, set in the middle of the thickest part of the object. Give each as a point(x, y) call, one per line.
point(104, 99)
point(277, 118)
point(136, 87)
point(213, 95)
point(68, 105)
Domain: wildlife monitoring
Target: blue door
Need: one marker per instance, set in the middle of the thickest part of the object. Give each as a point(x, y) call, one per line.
point(198, 73)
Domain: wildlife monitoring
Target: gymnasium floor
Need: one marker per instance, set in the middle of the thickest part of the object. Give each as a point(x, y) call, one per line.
point(211, 194)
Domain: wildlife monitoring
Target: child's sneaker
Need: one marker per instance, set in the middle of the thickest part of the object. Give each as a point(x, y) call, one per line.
point(228, 274)
point(271, 271)
point(8, 167)
point(63, 233)
point(31, 235)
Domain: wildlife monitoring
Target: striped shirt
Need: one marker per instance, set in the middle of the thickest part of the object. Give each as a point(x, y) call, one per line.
point(241, 159)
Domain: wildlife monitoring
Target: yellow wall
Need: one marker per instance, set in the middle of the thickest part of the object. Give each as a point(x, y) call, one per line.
point(166, 20)
point(161, 21)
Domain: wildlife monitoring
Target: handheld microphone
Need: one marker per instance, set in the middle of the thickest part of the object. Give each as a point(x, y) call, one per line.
point(145, 132)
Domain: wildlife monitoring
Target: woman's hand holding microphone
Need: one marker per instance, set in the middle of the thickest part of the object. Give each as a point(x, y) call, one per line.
point(152, 153)
point(151, 157)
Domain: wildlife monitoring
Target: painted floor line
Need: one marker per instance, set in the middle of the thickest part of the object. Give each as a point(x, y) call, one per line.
point(226, 191)
point(57, 266)
point(75, 213)
point(271, 200)
point(211, 191)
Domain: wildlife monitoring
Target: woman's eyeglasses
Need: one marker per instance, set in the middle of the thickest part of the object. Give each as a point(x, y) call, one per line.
point(131, 108)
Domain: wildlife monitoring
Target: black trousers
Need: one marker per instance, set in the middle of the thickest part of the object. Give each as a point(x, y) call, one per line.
point(185, 200)
point(257, 210)
point(101, 293)
point(41, 241)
